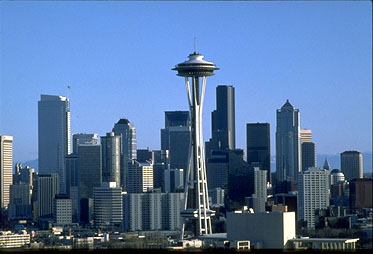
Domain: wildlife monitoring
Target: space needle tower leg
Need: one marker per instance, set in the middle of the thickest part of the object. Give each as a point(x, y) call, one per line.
point(196, 207)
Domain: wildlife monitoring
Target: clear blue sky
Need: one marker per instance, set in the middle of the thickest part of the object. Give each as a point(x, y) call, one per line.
point(117, 57)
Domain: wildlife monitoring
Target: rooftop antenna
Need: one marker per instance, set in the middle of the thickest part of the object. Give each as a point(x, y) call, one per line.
point(195, 45)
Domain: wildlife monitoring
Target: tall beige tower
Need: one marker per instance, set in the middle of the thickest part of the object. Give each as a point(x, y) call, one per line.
point(6, 165)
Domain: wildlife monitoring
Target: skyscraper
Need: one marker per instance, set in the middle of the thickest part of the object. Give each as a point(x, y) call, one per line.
point(20, 201)
point(110, 145)
point(23, 174)
point(126, 130)
point(223, 121)
point(175, 138)
point(288, 149)
point(352, 164)
point(313, 194)
point(90, 168)
point(6, 165)
point(83, 138)
point(108, 207)
point(47, 190)
point(54, 135)
point(305, 135)
point(258, 146)
point(308, 155)
point(172, 119)
point(140, 176)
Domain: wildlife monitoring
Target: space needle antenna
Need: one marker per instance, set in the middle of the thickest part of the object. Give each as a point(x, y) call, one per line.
point(195, 45)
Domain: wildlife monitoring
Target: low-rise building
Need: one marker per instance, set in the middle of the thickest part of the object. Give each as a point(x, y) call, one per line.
point(272, 229)
point(11, 240)
point(323, 243)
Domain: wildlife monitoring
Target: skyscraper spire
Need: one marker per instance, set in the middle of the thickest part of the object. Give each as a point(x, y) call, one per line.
point(326, 164)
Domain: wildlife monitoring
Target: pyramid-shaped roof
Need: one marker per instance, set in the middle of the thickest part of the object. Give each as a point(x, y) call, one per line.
point(287, 105)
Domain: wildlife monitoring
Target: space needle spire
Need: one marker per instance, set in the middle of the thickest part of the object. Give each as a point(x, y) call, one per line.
point(196, 213)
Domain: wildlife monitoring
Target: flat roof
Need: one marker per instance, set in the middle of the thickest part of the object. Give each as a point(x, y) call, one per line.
point(217, 236)
point(347, 240)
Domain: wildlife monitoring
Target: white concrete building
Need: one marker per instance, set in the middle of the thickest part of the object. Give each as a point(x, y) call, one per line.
point(266, 230)
point(260, 185)
point(152, 211)
point(313, 193)
point(11, 240)
point(305, 135)
point(323, 243)
point(6, 165)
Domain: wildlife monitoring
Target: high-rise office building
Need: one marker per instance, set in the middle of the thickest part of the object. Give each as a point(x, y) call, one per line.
point(361, 193)
point(258, 199)
point(72, 183)
point(308, 155)
point(223, 121)
point(175, 138)
point(108, 207)
point(23, 174)
point(54, 135)
point(179, 142)
point(152, 211)
point(20, 202)
point(161, 163)
point(305, 135)
point(173, 180)
point(83, 138)
point(48, 185)
point(72, 171)
point(258, 146)
point(217, 168)
point(6, 165)
point(145, 155)
point(240, 178)
point(90, 169)
point(62, 210)
point(352, 165)
point(313, 194)
point(288, 149)
point(260, 185)
point(126, 130)
point(140, 176)
point(173, 119)
point(110, 145)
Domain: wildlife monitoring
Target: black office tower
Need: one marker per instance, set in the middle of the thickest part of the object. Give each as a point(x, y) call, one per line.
point(258, 146)
point(223, 121)
point(308, 155)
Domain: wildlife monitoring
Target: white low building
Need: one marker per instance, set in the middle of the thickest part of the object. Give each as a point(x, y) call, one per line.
point(323, 243)
point(267, 230)
point(11, 240)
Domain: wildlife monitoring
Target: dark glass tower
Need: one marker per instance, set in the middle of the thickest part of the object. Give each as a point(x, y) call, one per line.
point(308, 155)
point(222, 121)
point(258, 145)
point(288, 148)
point(223, 118)
point(175, 138)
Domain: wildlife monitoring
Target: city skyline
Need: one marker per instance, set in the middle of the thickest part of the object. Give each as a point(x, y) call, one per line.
point(99, 60)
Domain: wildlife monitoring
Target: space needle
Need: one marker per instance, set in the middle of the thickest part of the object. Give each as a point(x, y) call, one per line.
point(197, 214)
